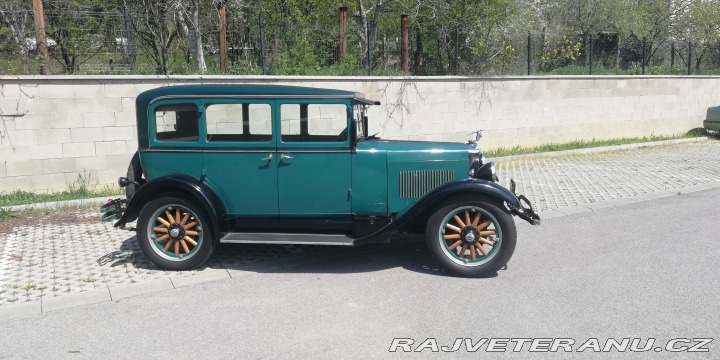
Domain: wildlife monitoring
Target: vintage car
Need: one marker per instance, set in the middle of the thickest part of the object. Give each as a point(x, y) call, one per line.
point(291, 165)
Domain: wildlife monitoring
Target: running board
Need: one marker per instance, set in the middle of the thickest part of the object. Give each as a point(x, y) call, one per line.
point(286, 239)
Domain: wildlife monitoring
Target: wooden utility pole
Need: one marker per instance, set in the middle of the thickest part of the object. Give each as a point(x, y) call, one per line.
point(40, 40)
point(404, 53)
point(223, 37)
point(343, 34)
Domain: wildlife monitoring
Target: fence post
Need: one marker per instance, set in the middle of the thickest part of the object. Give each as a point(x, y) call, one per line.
point(40, 40)
point(223, 37)
point(643, 56)
point(689, 63)
point(590, 54)
point(404, 49)
point(130, 48)
point(343, 34)
point(418, 59)
point(529, 50)
point(369, 51)
point(672, 55)
point(262, 44)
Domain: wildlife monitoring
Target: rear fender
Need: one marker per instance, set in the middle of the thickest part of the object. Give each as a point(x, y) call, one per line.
point(177, 184)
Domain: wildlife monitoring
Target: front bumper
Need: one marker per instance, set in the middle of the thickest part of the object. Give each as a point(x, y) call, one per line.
point(524, 209)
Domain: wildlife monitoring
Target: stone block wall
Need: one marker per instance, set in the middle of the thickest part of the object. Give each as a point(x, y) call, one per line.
point(54, 129)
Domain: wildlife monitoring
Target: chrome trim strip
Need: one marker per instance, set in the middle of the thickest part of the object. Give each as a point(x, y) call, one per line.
point(281, 238)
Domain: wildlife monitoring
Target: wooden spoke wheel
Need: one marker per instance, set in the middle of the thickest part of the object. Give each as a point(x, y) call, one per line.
point(470, 235)
point(173, 234)
point(472, 238)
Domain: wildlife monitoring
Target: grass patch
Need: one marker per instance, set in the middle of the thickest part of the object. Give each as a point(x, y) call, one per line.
point(583, 144)
point(82, 188)
point(7, 214)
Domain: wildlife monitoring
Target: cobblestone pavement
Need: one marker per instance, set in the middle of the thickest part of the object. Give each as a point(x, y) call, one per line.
point(48, 260)
point(579, 179)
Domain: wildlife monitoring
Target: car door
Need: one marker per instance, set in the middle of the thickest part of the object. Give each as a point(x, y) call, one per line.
point(239, 155)
point(314, 158)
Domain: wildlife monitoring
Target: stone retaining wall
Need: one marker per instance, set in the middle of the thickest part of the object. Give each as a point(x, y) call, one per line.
point(53, 129)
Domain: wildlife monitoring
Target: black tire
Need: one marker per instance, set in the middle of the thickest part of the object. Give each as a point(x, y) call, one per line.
point(443, 243)
point(134, 174)
point(154, 215)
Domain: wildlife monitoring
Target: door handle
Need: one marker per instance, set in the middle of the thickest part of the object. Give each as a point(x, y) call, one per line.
point(268, 158)
point(283, 157)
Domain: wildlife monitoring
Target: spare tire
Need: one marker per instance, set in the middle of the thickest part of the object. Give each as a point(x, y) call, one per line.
point(135, 175)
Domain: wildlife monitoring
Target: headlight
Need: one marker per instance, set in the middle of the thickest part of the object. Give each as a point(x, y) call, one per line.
point(483, 172)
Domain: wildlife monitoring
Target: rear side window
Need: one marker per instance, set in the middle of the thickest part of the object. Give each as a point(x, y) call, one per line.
point(238, 122)
point(313, 122)
point(176, 122)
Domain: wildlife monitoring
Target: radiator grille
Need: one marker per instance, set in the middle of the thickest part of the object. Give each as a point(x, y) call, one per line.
point(414, 184)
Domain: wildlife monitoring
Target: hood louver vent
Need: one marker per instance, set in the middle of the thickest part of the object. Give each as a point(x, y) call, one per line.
point(415, 184)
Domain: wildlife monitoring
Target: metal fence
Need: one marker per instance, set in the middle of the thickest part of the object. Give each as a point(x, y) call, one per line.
point(87, 41)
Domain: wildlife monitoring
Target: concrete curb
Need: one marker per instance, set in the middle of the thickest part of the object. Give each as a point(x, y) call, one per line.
point(599, 149)
point(61, 204)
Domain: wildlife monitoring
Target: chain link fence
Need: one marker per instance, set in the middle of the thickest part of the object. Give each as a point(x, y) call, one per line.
point(93, 42)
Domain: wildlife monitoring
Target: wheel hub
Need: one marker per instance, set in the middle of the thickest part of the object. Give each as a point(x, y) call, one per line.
point(469, 235)
point(176, 232)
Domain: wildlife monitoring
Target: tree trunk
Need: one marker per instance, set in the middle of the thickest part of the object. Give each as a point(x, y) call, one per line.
point(199, 54)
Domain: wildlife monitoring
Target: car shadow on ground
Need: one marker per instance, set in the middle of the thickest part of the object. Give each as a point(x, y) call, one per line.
point(408, 252)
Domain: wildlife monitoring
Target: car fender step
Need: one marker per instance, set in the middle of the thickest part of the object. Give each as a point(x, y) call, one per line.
point(287, 239)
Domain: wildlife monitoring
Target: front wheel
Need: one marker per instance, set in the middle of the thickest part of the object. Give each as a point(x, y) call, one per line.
point(174, 234)
point(471, 238)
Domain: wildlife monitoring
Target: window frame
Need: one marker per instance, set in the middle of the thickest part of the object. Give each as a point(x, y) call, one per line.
point(315, 144)
point(229, 145)
point(152, 125)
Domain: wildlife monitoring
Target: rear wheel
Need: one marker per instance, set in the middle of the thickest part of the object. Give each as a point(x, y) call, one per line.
point(174, 234)
point(471, 238)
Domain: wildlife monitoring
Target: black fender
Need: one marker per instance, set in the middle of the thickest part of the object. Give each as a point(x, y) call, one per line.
point(417, 214)
point(196, 190)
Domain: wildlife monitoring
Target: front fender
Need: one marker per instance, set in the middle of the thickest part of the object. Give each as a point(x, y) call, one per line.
point(192, 187)
point(415, 216)
point(430, 202)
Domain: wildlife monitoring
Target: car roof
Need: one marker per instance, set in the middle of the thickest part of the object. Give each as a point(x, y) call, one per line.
point(247, 90)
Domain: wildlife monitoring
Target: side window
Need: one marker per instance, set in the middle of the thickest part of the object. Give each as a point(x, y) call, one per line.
point(176, 122)
point(313, 122)
point(238, 122)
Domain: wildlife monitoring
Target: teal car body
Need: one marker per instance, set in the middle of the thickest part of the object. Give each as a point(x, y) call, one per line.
point(292, 162)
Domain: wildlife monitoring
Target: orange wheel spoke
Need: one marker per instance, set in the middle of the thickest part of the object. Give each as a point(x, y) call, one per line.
point(460, 222)
point(452, 237)
point(484, 225)
point(477, 220)
point(177, 248)
point(472, 251)
point(170, 217)
point(185, 219)
point(177, 215)
point(485, 241)
point(486, 233)
point(191, 241)
point(190, 225)
point(453, 228)
point(482, 250)
point(168, 245)
point(467, 218)
point(161, 230)
point(192, 233)
point(184, 245)
point(163, 221)
point(462, 250)
point(456, 244)
point(163, 238)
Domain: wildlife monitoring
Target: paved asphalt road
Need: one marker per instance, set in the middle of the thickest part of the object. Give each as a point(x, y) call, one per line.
point(648, 270)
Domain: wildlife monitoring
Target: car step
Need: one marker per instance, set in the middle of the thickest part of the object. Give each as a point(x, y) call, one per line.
point(281, 238)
